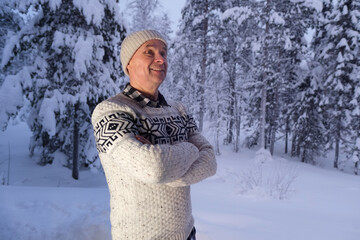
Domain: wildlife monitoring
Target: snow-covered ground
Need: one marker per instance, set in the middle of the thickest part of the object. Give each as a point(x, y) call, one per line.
point(279, 199)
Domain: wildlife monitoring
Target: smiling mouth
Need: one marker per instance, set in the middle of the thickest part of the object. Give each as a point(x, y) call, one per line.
point(157, 69)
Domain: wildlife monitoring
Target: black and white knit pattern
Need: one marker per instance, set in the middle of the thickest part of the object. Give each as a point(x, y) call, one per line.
point(111, 127)
point(158, 130)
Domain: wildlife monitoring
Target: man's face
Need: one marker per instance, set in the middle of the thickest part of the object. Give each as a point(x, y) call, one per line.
point(147, 68)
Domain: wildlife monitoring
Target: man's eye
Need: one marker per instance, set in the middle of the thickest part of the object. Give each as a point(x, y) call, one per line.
point(149, 52)
point(163, 54)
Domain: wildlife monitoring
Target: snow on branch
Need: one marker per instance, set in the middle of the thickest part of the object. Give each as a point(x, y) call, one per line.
point(198, 19)
point(276, 18)
point(315, 4)
point(11, 94)
point(240, 14)
point(54, 4)
point(47, 115)
point(93, 10)
point(83, 55)
point(8, 49)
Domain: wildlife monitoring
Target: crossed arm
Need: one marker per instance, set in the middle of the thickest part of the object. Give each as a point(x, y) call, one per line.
point(203, 167)
point(175, 165)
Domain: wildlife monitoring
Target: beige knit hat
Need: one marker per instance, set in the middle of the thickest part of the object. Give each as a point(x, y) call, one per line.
point(133, 42)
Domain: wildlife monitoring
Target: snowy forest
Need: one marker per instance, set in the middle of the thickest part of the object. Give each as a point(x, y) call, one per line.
point(273, 70)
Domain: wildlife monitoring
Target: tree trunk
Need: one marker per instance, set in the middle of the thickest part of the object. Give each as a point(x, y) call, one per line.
point(274, 120)
point(203, 69)
point(218, 121)
point(237, 126)
point(217, 146)
point(272, 140)
point(298, 148)
point(293, 145)
point(75, 168)
point(356, 169)
point(337, 143)
point(232, 105)
point(303, 157)
point(262, 115)
point(264, 87)
point(336, 160)
point(229, 135)
point(286, 136)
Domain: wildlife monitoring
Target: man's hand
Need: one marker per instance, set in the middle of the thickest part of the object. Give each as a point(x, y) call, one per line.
point(142, 139)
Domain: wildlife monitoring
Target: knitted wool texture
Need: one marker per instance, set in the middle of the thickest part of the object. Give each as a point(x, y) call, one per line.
point(133, 42)
point(150, 184)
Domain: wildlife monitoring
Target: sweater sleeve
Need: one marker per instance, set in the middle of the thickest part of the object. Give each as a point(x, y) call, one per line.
point(160, 163)
point(204, 166)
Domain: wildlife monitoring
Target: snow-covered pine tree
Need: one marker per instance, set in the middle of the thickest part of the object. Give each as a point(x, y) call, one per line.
point(318, 46)
point(307, 118)
point(10, 22)
point(352, 146)
point(320, 37)
point(10, 92)
point(195, 26)
point(278, 45)
point(142, 12)
point(148, 14)
point(217, 92)
point(235, 36)
point(217, 114)
point(298, 18)
point(179, 84)
point(341, 63)
point(76, 65)
point(178, 72)
point(266, 45)
point(165, 27)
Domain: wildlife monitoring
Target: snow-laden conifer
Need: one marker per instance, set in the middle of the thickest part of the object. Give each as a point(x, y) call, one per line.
point(340, 59)
point(194, 40)
point(74, 65)
point(148, 14)
point(10, 91)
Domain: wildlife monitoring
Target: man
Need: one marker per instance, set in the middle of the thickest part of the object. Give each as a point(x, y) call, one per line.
point(150, 149)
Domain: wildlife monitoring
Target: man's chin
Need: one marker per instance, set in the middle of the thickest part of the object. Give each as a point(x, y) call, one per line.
point(159, 79)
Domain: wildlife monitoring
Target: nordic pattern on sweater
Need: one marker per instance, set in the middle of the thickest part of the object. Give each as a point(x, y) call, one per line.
point(111, 127)
point(149, 184)
point(165, 130)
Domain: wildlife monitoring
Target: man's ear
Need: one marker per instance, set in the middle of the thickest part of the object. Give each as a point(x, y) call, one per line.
point(128, 67)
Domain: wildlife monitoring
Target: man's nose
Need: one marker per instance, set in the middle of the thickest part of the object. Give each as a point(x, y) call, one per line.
point(159, 58)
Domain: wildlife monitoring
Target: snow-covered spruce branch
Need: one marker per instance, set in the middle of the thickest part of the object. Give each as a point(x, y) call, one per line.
point(251, 66)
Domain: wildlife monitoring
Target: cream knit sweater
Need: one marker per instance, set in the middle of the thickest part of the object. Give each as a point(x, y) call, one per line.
point(150, 184)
